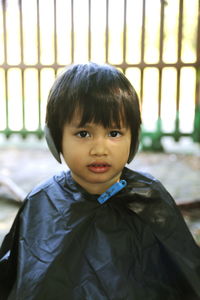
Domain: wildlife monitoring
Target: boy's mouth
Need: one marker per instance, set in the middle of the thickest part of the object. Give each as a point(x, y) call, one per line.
point(99, 167)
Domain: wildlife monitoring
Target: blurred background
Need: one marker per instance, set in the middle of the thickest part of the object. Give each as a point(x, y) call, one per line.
point(155, 43)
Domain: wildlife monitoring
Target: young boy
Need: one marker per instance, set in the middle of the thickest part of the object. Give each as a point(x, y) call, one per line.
point(99, 231)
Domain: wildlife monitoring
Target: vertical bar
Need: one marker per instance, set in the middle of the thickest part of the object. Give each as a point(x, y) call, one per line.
point(159, 91)
point(55, 35)
point(4, 31)
point(196, 130)
point(161, 30)
point(5, 61)
point(89, 31)
point(197, 100)
point(177, 131)
point(72, 31)
point(142, 49)
point(39, 99)
point(23, 101)
point(55, 38)
point(157, 138)
point(124, 34)
point(22, 61)
point(143, 30)
point(180, 30)
point(198, 36)
point(21, 31)
point(160, 55)
point(38, 31)
point(107, 30)
point(39, 69)
point(6, 95)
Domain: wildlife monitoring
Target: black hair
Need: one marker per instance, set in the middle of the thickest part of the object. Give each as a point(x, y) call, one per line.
point(101, 93)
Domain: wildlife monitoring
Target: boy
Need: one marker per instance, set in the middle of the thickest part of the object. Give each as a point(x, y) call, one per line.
point(99, 231)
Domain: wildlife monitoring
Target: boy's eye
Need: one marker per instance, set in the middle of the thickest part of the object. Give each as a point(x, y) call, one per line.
point(82, 134)
point(115, 133)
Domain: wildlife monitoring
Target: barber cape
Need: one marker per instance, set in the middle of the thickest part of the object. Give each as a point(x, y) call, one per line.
point(65, 245)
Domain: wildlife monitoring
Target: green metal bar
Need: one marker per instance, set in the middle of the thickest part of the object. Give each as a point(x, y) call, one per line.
point(23, 132)
point(156, 143)
point(196, 132)
point(177, 134)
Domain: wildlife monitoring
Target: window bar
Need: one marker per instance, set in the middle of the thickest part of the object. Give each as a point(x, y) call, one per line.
point(55, 38)
point(124, 36)
point(21, 31)
point(159, 121)
point(161, 54)
point(107, 31)
point(72, 31)
point(39, 69)
point(141, 64)
point(89, 30)
point(196, 131)
point(177, 131)
point(22, 70)
point(6, 99)
point(6, 69)
point(38, 32)
point(142, 49)
point(4, 31)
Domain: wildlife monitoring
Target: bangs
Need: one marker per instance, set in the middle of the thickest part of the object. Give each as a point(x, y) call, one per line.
point(108, 110)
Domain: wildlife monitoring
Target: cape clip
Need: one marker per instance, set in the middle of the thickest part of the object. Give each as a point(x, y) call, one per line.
point(114, 189)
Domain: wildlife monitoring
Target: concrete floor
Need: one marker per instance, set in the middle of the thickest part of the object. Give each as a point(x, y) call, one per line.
point(30, 162)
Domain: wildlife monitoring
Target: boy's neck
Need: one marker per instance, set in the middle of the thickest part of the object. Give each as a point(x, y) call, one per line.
point(95, 188)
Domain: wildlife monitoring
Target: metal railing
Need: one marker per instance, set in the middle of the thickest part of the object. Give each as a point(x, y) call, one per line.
point(155, 43)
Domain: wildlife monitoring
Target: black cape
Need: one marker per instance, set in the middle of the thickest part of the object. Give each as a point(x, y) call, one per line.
point(65, 245)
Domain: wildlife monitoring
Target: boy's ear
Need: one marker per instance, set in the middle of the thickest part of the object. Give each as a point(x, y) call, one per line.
point(51, 144)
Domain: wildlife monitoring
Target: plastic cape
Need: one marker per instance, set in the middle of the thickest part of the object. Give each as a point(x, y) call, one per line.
point(65, 245)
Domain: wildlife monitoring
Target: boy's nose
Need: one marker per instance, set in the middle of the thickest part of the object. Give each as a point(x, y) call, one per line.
point(99, 148)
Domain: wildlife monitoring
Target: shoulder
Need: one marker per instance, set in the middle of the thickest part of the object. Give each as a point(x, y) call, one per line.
point(56, 181)
point(146, 185)
point(52, 193)
point(138, 176)
point(148, 198)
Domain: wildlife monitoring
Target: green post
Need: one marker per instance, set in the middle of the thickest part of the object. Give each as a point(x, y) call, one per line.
point(177, 131)
point(156, 137)
point(196, 131)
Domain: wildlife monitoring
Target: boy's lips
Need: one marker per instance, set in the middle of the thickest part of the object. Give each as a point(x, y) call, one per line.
point(98, 167)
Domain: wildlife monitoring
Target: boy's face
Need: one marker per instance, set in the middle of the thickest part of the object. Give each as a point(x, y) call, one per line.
point(94, 154)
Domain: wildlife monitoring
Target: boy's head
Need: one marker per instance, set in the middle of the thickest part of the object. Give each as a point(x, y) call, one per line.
point(100, 94)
